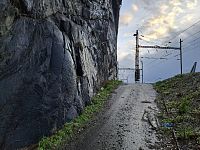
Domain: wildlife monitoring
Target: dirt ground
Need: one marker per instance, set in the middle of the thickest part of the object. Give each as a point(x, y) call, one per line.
point(123, 124)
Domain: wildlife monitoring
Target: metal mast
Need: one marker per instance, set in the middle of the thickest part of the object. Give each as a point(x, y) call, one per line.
point(137, 61)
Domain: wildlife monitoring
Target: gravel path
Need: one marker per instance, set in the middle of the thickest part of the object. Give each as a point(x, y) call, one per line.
point(120, 125)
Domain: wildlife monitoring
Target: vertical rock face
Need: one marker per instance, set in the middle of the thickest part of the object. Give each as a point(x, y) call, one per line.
point(54, 55)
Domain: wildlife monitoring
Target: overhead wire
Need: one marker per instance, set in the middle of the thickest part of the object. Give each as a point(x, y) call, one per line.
point(174, 56)
point(178, 34)
point(194, 48)
point(185, 46)
point(184, 39)
point(191, 36)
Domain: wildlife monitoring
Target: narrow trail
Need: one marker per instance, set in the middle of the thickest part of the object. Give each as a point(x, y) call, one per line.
point(120, 125)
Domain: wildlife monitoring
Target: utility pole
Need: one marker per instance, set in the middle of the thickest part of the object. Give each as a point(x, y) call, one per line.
point(167, 47)
point(181, 56)
point(137, 54)
point(137, 67)
point(142, 71)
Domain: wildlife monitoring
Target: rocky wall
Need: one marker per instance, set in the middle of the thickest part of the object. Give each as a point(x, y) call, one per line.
point(54, 56)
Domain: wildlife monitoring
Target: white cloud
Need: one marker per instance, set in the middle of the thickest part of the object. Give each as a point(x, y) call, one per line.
point(125, 19)
point(164, 19)
point(192, 4)
point(135, 8)
point(167, 19)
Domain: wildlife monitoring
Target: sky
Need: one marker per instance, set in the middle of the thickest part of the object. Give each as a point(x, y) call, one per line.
point(163, 23)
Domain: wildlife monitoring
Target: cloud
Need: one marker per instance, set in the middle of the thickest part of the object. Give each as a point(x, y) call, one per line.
point(163, 20)
point(166, 19)
point(187, 18)
point(135, 8)
point(128, 16)
point(159, 25)
point(175, 3)
point(126, 19)
point(192, 4)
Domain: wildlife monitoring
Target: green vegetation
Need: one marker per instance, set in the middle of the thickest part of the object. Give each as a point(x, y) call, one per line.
point(180, 95)
point(184, 106)
point(186, 132)
point(70, 129)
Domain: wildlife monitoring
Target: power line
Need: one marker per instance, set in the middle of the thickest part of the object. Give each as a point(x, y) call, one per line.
point(191, 35)
point(158, 59)
point(194, 48)
point(154, 58)
point(146, 40)
point(196, 45)
point(187, 47)
point(178, 34)
point(185, 30)
point(192, 41)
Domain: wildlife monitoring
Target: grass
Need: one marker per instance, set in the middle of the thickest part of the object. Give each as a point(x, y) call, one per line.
point(186, 132)
point(181, 95)
point(70, 129)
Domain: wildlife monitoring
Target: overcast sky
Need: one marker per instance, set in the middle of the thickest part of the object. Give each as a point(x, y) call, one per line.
point(159, 22)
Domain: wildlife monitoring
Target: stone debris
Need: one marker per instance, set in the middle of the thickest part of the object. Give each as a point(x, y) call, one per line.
point(150, 116)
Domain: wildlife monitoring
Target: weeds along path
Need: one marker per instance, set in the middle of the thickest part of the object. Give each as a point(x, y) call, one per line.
point(123, 123)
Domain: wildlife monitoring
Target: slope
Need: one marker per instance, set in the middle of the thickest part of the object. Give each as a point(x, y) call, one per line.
point(179, 101)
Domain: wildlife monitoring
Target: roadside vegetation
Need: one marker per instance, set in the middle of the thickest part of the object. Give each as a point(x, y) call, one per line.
point(70, 129)
point(179, 101)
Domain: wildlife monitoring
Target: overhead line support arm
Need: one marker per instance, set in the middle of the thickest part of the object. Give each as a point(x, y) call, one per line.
point(160, 47)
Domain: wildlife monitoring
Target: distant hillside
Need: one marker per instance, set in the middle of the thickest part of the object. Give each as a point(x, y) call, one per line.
point(179, 102)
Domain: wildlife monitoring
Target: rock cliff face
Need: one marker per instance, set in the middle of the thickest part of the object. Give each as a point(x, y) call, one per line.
point(54, 55)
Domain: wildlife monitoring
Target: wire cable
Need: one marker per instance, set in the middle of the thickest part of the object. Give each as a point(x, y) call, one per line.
point(183, 31)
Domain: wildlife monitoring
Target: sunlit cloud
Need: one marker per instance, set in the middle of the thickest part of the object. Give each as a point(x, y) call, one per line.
point(187, 18)
point(126, 19)
point(164, 9)
point(166, 20)
point(175, 3)
point(135, 7)
point(192, 4)
point(158, 21)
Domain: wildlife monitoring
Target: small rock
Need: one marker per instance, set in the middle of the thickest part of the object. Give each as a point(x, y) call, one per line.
point(120, 125)
point(141, 148)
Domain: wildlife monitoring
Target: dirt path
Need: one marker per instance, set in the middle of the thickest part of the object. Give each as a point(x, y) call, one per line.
point(120, 125)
